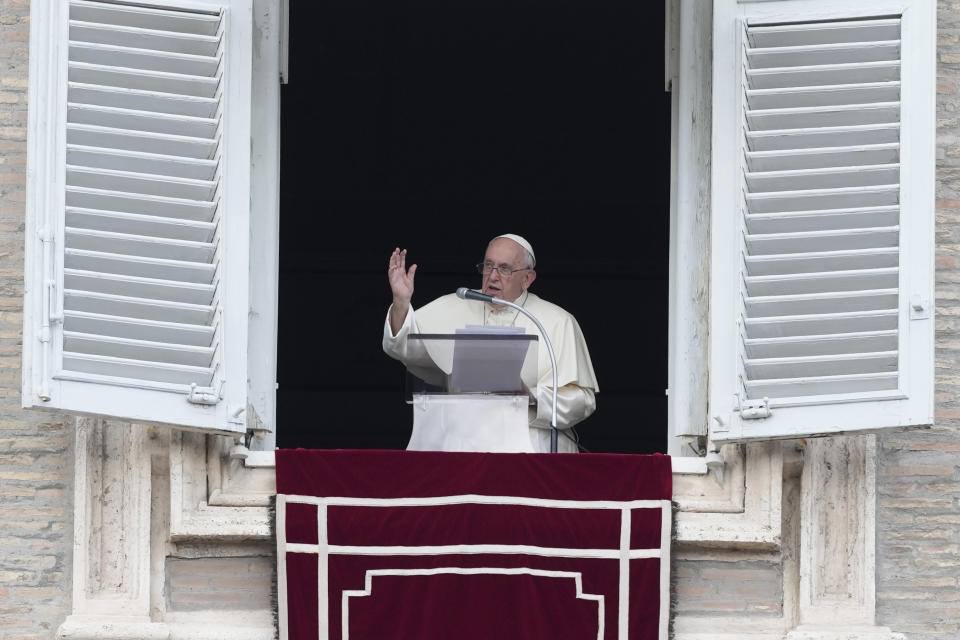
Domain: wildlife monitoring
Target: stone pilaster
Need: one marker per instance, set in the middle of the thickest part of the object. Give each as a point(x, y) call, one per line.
point(111, 554)
point(837, 542)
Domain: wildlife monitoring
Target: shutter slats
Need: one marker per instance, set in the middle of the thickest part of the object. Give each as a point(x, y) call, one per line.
point(184, 22)
point(131, 57)
point(139, 162)
point(130, 307)
point(827, 178)
point(138, 369)
point(829, 281)
point(153, 288)
point(145, 121)
point(141, 225)
point(791, 97)
point(816, 220)
point(821, 193)
point(820, 324)
point(809, 199)
point(826, 365)
point(862, 155)
point(815, 303)
point(128, 182)
point(141, 246)
point(141, 141)
point(807, 138)
point(137, 349)
point(826, 33)
point(132, 78)
point(829, 240)
point(823, 116)
point(819, 345)
point(140, 266)
point(820, 75)
point(822, 385)
point(819, 261)
point(149, 330)
point(820, 54)
point(159, 206)
point(138, 100)
point(154, 39)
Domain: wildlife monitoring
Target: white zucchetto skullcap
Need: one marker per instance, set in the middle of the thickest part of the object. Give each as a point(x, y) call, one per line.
point(523, 243)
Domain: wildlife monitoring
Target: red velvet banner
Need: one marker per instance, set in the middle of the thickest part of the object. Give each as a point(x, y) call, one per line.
point(409, 544)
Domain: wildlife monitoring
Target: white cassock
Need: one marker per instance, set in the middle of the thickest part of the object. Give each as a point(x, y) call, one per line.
point(575, 377)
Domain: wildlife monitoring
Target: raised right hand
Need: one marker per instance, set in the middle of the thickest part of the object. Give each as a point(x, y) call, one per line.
point(401, 279)
point(401, 284)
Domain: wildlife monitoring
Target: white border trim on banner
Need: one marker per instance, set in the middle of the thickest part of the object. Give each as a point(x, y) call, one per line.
point(323, 550)
point(476, 499)
point(368, 588)
point(473, 549)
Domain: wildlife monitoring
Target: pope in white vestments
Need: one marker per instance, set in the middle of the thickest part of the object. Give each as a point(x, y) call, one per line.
point(508, 271)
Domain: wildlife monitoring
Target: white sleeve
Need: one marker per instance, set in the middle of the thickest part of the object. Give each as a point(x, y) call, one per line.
point(573, 405)
point(399, 348)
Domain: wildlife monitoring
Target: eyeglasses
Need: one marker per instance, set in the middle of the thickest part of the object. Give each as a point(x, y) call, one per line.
point(505, 271)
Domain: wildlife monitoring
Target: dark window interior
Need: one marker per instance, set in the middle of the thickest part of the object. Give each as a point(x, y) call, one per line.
point(436, 126)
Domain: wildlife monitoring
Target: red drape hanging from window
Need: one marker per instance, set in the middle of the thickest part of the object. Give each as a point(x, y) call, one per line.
point(406, 544)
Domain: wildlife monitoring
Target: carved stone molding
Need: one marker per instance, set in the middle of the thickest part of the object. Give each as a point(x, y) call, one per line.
point(236, 483)
point(200, 507)
point(84, 627)
point(111, 556)
point(828, 543)
point(120, 544)
point(711, 491)
point(742, 511)
point(740, 627)
point(111, 547)
point(837, 542)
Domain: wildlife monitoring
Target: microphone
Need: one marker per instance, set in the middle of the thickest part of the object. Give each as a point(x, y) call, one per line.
point(470, 294)
point(466, 293)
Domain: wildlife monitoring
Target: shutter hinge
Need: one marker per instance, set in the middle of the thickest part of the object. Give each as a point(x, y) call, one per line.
point(49, 312)
point(205, 395)
point(753, 409)
point(52, 311)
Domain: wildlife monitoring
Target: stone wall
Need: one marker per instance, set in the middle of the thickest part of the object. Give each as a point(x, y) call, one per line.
point(244, 583)
point(713, 583)
point(918, 515)
point(36, 468)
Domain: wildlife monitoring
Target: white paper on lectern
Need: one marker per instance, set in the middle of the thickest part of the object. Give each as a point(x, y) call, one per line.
point(488, 365)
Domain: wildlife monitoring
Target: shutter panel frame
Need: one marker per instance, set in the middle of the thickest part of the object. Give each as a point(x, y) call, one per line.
point(168, 234)
point(814, 250)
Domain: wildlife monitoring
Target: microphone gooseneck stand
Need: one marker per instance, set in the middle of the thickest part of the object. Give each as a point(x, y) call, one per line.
point(470, 294)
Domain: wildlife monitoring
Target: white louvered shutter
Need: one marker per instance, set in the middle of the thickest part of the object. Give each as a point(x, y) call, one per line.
point(824, 245)
point(137, 276)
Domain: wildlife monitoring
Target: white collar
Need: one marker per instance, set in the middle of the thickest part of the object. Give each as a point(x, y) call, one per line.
point(521, 300)
point(505, 316)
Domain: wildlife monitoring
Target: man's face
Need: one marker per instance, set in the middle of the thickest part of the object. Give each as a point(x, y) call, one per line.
point(506, 252)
